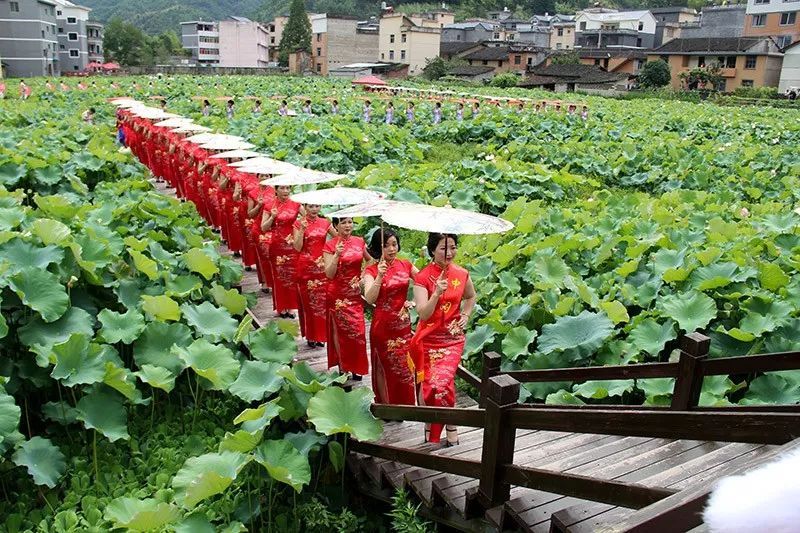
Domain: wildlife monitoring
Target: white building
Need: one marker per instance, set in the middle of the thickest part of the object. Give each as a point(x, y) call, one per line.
point(242, 43)
point(202, 39)
point(790, 71)
point(602, 28)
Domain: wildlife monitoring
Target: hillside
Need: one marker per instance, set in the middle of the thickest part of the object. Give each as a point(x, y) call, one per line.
point(155, 16)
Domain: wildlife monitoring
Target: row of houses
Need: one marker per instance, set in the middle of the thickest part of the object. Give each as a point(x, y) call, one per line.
point(47, 38)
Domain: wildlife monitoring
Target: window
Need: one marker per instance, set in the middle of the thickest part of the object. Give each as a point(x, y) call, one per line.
point(382, 55)
point(747, 83)
point(558, 46)
point(759, 20)
point(272, 40)
point(44, 52)
point(62, 47)
point(72, 20)
point(319, 37)
point(319, 52)
point(530, 61)
point(499, 63)
point(391, 55)
point(730, 62)
point(597, 62)
point(58, 13)
point(391, 38)
point(560, 32)
point(60, 30)
point(639, 42)
point(750, 62)
point(701, 61)
point(788, 19)
point(458, 37)
point(74, 67)
point(74, 53)
point(517, 60)
point(272, 27)
point(761, 1)
point(583, 26)
point(402, 54)
point(641, 26)
point(72, 36)
point(485, 62)
point(722, 86)
point(319, 67)
point(43, 34)
point(496, 35)
point(14, 7)
point(403, 37)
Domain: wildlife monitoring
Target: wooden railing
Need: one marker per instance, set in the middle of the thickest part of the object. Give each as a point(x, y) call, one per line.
point(500, 416)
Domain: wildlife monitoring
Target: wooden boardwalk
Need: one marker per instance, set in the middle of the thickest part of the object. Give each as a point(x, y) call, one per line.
point(656, 467)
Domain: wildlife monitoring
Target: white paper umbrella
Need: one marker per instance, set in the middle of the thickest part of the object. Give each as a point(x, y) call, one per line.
point(302, 176)
point(273, 168)
point(203, 138)
point(191, 128)
point(173, 122)
point(445, 220)
point(372, 209)
point(236, 154)
point(227, 144)
point(337, 196)
point(261, 160)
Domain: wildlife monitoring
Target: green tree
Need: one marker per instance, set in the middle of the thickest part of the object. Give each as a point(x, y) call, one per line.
point(297, 33)
point(540, 7)
point(435, 68)
point(566, 58)
point(506, 79)
point(126, 44)
point(655, 74)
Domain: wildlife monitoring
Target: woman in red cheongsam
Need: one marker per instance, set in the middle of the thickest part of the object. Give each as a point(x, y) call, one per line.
point(386, 286)
point(279, 222)
point(310, 233)
point(347, 343)
point(444, 296)
point(260, 199)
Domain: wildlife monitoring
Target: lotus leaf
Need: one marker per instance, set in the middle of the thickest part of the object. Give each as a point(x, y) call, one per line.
point(257, 419)
point(154, 346)
point(230, 299)
point(9, 421)
point(118, 327)
point(306, 441)
point(241, 441)
point(216, 363)
point(157, 377)
point(161, 307)
point(209, 320)
point(60, 412)
point(650, 336)
point(43, 459)
point(563, 397)
point(256, 380)
point(42, 292)
point(581, 335)
point(198, 261)
point(691, 310)
point(205, 476)
point(306, 379)
point(478, 338)
point(284, 463)
point(335, 411)
point(140, 515)
point(77, 361)
point(144, 264)
point(516, 342)
point(50, 231)
point(603, 389)
point(103, 411)
point(23, 255)
point(268, 345)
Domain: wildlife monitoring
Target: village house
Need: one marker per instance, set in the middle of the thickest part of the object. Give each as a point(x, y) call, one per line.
point(411, 38)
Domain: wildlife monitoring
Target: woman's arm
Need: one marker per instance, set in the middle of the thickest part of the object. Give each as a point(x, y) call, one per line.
point(253, 208)
point(425, 305)
point(299, 233)
point(266, 222)
point(467, 303)
point(372, 287)
point(331, 264)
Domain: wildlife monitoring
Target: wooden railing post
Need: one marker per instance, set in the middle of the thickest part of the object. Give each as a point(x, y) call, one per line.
point(491, 367)
point(689, 383)
point(502, 392)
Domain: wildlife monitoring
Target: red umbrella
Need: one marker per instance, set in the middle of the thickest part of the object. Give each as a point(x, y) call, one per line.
point(369, 80)
point(110, 66)
point(94, 64)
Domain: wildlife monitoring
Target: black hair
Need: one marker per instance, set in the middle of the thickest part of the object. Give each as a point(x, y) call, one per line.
point(258, 102)
point(368, 102)
point(91, 110)
point(308, 101)
point(438, 104)
point(206, 102)
point(336, 220)
point(336, 102)
point(375, 248)
point(283, 102)
point(435, 238)
point(230, 102)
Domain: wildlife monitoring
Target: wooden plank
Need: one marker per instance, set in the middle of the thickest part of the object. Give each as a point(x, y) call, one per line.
point(605, 491)
point(767, 428)
point(444, 415)
point(565, 519)
point(577, 460)
point(501, 392)
point(451, 465)
point(642, 370)
point(668, 477)
point(747, 364)
point(468, 376)
point(642, 459)
point(646, 408)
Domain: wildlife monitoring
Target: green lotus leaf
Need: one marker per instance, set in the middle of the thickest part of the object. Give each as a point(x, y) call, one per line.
point(154, 346)
point(714, 276)
point(214, 362)
point(784, 339)
point(103, 411)
point(603, 389)
point(205, 476)
point(582, 334)
point(650, 336)
point(183, 286)
point(209, 320)
point(268, 345)
point(509, 281)
point(666, 259)
point(117, 327)
point(43, 459)
point(61, 412)
point(772, 389)
point(306, 379)
point(243, 329)
point(336, 455)
point(516, 342)
point(715, 390)
point(691, 310)
point(478, 338)
point(230, 299)
point(121, 379)
point(11, 217)
point(41, 336)
point(161, 307)
point(547, 270)
point(50, 231)
point(772, 277)
point(23, 255)
point(77, 362)
point(144, 264)
point(657, 391)
point(57, 206)
point(513, 314)
point(306, 441)
point(294, 403)
point(50, 175)
point(563, 397)
point(3, 324)
point(133, 514)
point(256, 380)
point(198, 523)
point(241, 441)
point(616, 311)
point(257, 419)
point(41, 291)
point(198, 261)
point(157, 377)
point(756, 324)
point(10, 174)
point(284, 463)
point(9, 421)
point(335, 411)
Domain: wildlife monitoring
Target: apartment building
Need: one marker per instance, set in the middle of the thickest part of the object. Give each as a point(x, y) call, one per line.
point(94, 39)
point(602, 28)
point(29, 38)
point(790, 70)
point(411, 38)
point(242, 43)
point(670, 21)
point(562, 32)
point(743, 61)
point(202, 40)
point(774, 18)
point(337, 41)
point(716, 21)
point(80, 41)
point(275, 34)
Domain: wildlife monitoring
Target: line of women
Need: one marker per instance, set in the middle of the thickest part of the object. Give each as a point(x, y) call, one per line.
point(319, 268)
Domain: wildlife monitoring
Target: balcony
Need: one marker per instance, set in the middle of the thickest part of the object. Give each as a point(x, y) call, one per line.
point(727, 72)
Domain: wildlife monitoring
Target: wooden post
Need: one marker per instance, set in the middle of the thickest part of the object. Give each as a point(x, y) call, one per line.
point(491, 367)
point(502, 392)
point(689, 382)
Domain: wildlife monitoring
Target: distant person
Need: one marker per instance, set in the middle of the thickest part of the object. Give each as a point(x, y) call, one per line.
point(437, 113)
point(537, 108)
point(460, 112)
point(367, 111)
point(389, 113)
point(206, 108)
point(88, 116)
point(229, 109)
point(307, 108)
point(571, 109)
point(257, 107)
point(520, 107)
point(476, 109)
point(792, 94)
point(585, 113)
point(335, 107)
point(24, 90)
point(283, 110)
point(2, 90)
point(49, 86)
point(410, 112)
point(163, 103)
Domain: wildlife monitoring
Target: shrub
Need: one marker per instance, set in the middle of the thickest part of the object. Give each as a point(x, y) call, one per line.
point(655, 74)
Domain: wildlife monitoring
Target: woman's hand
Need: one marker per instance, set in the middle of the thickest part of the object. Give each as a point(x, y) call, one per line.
point(462, 321)
point(441, 284)
point(382, 268)
point(303, 223)
point(410, 304)
point(339, 248)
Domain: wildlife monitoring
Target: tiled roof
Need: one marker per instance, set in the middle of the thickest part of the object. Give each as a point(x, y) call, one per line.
point(581, 74)
point(611, 52)
point(495, 53)
point(710, 44)
point(455, 47)
point(470, 70)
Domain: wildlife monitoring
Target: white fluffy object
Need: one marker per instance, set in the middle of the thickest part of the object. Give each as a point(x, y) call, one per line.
point(764, 500)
